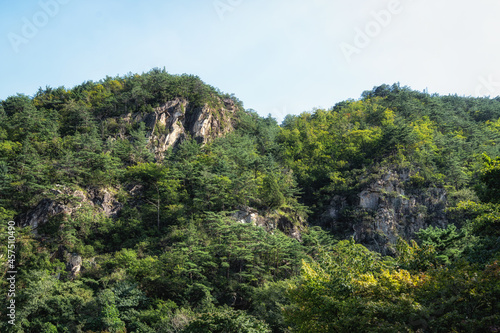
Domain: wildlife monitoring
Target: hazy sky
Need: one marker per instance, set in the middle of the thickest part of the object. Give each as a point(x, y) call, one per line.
point(277, 56)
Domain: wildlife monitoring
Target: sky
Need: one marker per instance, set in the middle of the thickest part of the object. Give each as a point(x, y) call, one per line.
point(278, 56)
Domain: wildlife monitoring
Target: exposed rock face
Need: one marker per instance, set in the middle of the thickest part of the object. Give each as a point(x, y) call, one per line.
point(166, 126)
point(67, 202)
point(74, 264)
point(387, 209)
point(271, 222)
point(178, 119)
point(105, 200)
point(41, 213)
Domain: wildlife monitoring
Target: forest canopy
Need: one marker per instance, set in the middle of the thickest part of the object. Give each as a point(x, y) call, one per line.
point(235, 233)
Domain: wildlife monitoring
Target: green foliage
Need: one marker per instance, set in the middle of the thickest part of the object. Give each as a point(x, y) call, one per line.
point(268, 303)
point(47, 301)
point(109, 312)
point(326, 288)
point(385, 298)
point(480, 227)
point(226, 320)
point(175, 260)
point(162, 186)
point(271, 192)
point(447, 242)
point(413, 257)
point(436, 139)
point(490, 177)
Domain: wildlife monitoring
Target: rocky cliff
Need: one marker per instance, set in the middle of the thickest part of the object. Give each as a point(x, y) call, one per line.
point(386, 209)
point(166, 126)
point(65, 201)
point(179, 119)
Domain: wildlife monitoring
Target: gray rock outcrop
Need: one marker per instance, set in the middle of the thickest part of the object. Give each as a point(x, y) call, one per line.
point(74, 264)
point(64, 201)
point(178, 119)
point(387, 209)
point(41, 213)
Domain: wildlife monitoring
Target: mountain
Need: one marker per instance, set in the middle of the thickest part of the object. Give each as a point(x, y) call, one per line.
point(157, 203)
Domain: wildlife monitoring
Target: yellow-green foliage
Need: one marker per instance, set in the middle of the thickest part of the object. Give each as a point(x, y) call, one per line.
point(337, 296)
point(174, 259)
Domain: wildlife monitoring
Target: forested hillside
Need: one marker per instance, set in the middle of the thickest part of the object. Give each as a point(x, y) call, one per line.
point(157, 203)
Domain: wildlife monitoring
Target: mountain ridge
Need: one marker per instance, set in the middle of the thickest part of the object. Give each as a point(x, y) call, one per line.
point(156, 203)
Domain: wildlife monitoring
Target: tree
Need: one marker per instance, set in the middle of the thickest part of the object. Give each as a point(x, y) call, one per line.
point(162, 185)
point(271, 192)
point(490, 177)
point(325, 296)
point(110, 316)
point(447, 242)
point(226, 320)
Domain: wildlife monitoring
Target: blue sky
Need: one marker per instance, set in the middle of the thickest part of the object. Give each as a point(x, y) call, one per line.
point(279, 57)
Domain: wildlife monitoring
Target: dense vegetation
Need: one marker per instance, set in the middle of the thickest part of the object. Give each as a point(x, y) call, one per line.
point(175, 260)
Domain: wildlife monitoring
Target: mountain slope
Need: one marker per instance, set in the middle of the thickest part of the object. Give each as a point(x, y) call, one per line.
point(156, 203)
